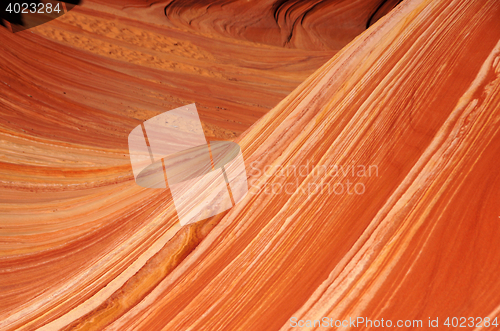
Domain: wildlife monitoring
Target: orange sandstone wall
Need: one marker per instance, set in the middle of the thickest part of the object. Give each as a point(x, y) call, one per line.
point(417, 95)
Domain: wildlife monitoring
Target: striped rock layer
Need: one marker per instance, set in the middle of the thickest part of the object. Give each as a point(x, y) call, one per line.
point(414, 101)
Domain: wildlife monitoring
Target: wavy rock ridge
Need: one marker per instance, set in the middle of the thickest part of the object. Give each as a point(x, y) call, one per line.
point(416, 95)
point(311, 24)
point(71, 91)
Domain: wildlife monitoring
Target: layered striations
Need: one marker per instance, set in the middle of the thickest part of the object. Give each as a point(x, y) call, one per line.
point(310, 24)
point(414, 101)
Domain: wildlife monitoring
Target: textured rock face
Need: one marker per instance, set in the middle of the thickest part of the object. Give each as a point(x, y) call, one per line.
point(310, 24)
point(415, 99)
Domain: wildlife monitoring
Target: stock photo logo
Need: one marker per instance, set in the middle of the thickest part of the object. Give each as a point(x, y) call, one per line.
point(170, 150)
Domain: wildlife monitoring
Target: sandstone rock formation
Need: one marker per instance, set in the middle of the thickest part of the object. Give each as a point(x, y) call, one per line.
point(416, 97)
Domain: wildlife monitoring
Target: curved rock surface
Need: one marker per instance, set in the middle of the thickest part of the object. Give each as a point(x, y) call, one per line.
point(405, 119)
point(310, 24)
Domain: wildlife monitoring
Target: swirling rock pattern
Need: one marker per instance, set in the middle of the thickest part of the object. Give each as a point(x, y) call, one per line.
point(417, 95)
point(310, 24)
